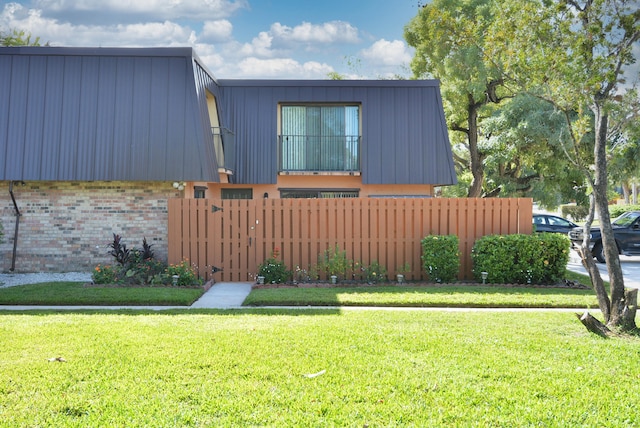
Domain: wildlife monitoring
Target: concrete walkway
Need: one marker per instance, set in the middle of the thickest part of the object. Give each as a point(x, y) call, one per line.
point(224, 295)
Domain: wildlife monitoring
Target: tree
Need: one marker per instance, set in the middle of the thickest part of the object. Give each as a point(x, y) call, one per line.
point(625, 149)
point(524, 155)
point(573, 54)
point(16, 37)
point(448, 36)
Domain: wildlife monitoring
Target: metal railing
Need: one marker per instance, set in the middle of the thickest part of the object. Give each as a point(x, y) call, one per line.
point(298, 153)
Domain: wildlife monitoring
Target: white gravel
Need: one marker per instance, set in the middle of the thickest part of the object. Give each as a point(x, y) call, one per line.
point(12, 279)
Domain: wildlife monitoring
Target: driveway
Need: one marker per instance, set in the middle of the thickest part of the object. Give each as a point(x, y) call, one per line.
point(630, 269)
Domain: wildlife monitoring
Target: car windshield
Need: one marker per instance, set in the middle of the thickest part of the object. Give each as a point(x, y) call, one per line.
point(626, 219)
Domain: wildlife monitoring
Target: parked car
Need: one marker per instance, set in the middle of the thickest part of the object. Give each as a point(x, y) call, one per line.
point(626, 230)
point(552, 223)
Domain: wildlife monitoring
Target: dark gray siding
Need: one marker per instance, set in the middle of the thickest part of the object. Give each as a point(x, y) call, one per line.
point(404, 135)
point(104, 114)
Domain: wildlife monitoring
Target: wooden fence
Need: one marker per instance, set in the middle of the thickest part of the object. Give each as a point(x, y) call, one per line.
point(238, 235)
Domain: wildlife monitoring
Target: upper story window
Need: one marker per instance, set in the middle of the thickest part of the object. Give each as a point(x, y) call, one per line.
point(319, 138)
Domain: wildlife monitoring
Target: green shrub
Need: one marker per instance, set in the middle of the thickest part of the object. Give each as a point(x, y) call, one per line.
point(375, 273)
point(274, 270)
point(187, 274)
point(106, 274)
point(1, 234)
point(540, 258)
point(441, 257)
point(618, 210)
point(146, 271)
point(575, 212)
point(335, 262)
point(139, 267)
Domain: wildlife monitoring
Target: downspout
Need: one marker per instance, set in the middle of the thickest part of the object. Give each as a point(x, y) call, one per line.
point(18, 215)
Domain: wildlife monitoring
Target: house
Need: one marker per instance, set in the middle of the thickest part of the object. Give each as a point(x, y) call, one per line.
point(94, 141)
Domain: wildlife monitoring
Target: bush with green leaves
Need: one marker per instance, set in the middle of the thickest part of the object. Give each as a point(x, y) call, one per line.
point(138, 266)
point(617, 210)
point(105, 274)
point(441, 257)
point(274, 270)
point(540, 258)
point(1, 234)
point(574, 212)
point(375, 273)
point(335, 262)
point(187, 274)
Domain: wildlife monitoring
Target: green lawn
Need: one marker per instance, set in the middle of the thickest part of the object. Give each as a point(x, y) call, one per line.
point(75, 293)
point(70, 293)
point(429, 296)
point(257, 367)
point(426, 296)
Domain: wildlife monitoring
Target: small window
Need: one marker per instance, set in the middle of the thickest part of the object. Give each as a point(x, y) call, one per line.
point(237, 193)
point(199, 192)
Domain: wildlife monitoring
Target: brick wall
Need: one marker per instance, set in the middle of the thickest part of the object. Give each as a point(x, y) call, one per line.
point(67, 226)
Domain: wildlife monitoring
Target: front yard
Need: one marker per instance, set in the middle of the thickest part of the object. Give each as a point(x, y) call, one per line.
point(313, 368)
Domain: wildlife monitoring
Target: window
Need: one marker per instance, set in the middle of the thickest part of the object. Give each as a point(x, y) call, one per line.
point(320, 138)
point(318, 193)
point(236, 193)
point(199, 192)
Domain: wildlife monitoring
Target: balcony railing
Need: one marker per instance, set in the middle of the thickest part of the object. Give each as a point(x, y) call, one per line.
point(311, 153)
point(224, 142)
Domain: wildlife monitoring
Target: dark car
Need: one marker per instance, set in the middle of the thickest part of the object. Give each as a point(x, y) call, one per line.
point(552, 223)
point(626, 230)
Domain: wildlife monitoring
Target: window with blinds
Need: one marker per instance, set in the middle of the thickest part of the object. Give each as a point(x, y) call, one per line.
point(319, 138)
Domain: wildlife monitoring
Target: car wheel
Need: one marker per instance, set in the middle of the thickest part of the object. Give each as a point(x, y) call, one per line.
point(598, 252)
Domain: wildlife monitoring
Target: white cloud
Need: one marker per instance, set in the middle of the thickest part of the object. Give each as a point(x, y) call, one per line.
point(297, 52)
point(327, 33)
point(259, 46)
point(383, 52)
point(146, 34)
point(158, 9)
point(216, 31)
point(65, 34)
point(282, 68)
point(281, 40)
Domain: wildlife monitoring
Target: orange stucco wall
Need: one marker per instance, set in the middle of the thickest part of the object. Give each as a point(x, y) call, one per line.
point(333, 182)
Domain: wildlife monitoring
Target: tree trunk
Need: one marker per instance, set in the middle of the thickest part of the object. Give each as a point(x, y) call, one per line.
point(477, 169)
point(626, 193)
point(591, 267)
point(619, 312)
point(631, 299)
point(593, 325)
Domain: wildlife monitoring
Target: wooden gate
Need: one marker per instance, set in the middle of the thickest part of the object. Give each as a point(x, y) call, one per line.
point(238, 235)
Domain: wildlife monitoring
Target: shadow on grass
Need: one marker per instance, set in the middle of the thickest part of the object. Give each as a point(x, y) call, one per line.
point(302, 311)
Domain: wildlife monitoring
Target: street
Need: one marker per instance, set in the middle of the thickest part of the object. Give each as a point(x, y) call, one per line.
point(630, 269)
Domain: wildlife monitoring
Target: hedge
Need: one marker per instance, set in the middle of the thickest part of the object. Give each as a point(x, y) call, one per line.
point(540, 258)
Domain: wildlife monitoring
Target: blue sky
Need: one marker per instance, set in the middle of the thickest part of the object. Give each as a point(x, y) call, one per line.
point(288, 39)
